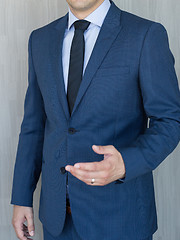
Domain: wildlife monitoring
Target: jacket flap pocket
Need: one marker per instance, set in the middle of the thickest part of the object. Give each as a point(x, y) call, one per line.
point(110, 71)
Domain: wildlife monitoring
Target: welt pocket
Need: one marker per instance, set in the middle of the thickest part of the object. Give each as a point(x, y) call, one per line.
point(110, 71)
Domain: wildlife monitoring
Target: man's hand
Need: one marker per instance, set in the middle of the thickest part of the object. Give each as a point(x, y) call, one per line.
point(20, 215)
point(108, 170)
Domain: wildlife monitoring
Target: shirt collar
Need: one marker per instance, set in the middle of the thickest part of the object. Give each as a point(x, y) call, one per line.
point(96, 17)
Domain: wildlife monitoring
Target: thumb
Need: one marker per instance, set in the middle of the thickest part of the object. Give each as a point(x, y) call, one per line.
point(30, 223)
point(102, 149)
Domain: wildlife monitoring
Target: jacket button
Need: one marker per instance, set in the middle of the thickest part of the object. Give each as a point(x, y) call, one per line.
point(62, 170)
point(71, 130)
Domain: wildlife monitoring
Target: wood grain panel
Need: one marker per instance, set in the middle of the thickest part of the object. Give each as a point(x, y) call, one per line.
point(17, 20)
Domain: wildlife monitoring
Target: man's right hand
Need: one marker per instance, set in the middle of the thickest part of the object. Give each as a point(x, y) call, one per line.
point(20, 215)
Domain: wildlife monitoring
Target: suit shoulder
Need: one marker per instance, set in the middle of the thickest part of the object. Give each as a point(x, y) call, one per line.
point(47, 27)
point(138, 23)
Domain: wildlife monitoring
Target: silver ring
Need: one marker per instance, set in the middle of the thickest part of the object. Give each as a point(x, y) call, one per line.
point(92, 181)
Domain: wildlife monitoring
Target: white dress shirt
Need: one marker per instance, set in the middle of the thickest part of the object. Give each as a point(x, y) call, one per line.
point(96, 19)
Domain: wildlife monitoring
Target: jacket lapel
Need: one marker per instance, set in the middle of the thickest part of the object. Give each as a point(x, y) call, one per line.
point(108, 33)
point(56, 51)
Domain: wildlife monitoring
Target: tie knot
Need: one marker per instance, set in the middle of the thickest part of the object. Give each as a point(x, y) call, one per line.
point(81, 24)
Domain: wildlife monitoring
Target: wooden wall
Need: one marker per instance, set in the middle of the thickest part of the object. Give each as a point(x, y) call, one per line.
point(17, 20)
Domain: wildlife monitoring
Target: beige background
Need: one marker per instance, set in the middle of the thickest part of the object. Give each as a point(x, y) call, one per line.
point(17, 19)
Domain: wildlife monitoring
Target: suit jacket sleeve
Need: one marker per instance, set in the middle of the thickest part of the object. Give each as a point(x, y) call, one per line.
point(27, 167)
point(161, 100)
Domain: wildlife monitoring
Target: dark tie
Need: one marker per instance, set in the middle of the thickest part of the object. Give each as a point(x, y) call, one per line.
point(76, 62)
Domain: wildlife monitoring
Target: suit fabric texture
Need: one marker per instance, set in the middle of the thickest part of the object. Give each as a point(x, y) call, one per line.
point(130, 78)
point(69, 232)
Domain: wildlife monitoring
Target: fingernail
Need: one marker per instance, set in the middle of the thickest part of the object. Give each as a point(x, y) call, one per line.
point(31, 233)
point(77, 166)
point(67, 168)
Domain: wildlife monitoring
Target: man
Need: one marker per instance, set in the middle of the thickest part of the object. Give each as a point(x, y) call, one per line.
point(95, 77)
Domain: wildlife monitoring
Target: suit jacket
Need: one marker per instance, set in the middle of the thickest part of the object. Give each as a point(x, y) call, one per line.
point(130, 78)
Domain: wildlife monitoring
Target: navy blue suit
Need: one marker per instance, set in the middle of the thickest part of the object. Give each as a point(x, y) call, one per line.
point(130, 77)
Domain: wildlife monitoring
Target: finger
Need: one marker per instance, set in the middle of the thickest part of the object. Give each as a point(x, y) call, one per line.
point(26, 232)
point(19, 231)
point(89, 174)
point(25, 227)
point(98, 181)
point(30, 224)
point(108, 149)
point(93, 166)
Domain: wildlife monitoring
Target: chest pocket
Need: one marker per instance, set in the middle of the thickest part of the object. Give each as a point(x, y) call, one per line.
point(111, 71)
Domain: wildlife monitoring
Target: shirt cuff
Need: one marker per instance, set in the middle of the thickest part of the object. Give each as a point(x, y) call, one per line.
point(120, 180)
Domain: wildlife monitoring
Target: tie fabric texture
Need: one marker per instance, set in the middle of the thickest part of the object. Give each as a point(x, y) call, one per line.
point(76, 61)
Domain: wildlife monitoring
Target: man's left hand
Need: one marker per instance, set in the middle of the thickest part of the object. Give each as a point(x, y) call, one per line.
point(105, 171)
